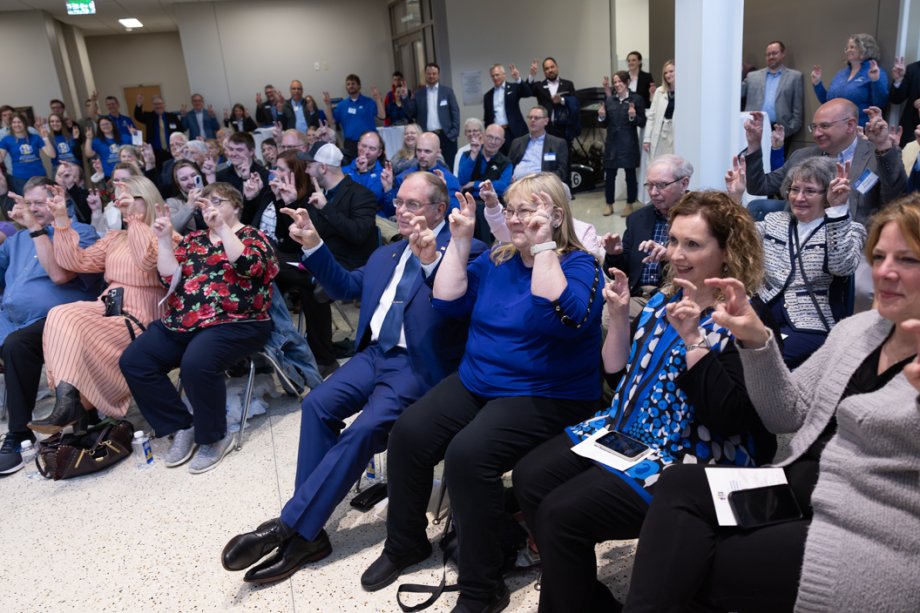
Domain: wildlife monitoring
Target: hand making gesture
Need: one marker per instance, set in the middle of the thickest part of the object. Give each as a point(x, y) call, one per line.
point(302, 229)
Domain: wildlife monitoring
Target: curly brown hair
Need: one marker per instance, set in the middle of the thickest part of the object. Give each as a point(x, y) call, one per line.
point(733, 228)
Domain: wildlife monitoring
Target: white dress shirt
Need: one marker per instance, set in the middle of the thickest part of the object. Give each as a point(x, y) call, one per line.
point(434, 122)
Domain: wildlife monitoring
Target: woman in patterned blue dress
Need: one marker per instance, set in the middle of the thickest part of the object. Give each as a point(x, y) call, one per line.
point(679, 391)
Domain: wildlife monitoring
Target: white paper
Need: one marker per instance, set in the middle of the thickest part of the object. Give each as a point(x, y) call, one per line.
point(587, 449)
point(724, 480)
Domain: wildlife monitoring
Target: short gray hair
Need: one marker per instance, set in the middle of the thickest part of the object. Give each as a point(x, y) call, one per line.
point(681, 168)
point(821, 170)
point(475, 122)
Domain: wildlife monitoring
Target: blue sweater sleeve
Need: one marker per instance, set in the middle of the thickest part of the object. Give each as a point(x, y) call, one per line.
point(576, 299)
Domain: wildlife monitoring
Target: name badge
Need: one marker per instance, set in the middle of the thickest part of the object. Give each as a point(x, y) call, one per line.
point(866, 182)
point(172, 126)
point(443, 103)
point(549, 157)
point(352, 110)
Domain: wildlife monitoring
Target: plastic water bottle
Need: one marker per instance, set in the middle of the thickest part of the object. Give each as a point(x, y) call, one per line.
point(27, 450)
point(371, 471)
point(143, 455)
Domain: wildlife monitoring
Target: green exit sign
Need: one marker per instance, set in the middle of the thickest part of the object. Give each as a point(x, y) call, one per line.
point(81, 7)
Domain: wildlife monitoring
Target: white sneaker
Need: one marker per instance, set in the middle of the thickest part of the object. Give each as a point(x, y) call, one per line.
point(209, 456)
point(183, 446)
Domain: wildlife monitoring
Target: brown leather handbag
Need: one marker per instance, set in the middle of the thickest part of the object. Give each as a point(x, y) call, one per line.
point(63, 456)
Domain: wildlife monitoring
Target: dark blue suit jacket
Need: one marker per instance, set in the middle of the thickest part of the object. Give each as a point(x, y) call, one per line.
point(190, 123)
point(513, 94)
point(640, 226)
point(448, 110)
point(435, 343)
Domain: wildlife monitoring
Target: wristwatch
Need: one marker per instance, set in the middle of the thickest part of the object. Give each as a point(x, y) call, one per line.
point(703, 343)
point(40, 232)
point(548, 246)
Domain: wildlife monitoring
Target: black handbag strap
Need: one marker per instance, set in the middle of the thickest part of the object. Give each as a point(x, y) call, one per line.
point(450, 550)
point(129, 318)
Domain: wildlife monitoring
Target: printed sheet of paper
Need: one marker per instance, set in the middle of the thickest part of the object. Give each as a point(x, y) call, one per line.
point(724, 480)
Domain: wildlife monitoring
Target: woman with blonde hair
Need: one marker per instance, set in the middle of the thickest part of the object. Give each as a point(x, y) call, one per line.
point(530, 366)
point(404, 159)
point(83, 341)
point(659, 130)
point(679, 398)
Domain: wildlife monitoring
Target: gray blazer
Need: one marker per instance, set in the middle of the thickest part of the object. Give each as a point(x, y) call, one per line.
point(891, 184)
point(790, 101)
point(552, 144)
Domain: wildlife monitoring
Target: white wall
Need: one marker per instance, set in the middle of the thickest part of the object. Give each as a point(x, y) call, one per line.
point(632, 34)
point(29, 71)
point(484, 32)
point(129, 60)
point(232, 49)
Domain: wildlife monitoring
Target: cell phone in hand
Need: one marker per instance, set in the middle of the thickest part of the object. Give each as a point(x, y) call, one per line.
point(137, 139)
point(198, 181)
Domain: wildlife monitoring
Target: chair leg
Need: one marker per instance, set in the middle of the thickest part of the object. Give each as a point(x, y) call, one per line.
point(245, 416)
point(437, 511)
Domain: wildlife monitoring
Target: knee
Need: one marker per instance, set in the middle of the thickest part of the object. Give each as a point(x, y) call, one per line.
point(464, 462)
point(197, 366)
point(558, 515)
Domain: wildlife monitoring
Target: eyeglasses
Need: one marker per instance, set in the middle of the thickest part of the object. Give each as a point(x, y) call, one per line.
point(824, 125)
point(217, 201)
point(494, 139)
point(659, 186)
point(523, 214)
point(413, 206)
point(808, 192)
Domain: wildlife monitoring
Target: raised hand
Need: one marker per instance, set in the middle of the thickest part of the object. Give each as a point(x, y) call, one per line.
point(463, 220)
point(327, 99)
point(736, 178)
point(422, 241)
point(211, 215)
point(226, 114)
point(736, 314)
point(88, 132)
point(375, 93)
point(815, 74)
point(140, 100)
point(533, 67)
point(876, 129)
point(616, 295)
point(684, 315)
point(75, 131)
point(778, 136)
point(277, 132)
point(488, 195)
point(605, 83)
point(302, 229)
point(211, 110)
point(258, 98)
point(183, 109)
point(317, 198)
point(912, 370)
point(287, 189)
point(162, 225)
point(874, 72)
point(386, 177)
point(539, 228)
point(57, 204)
point(838, 192)
point(656, 252)
point(193, 195)
point(440, 174)
point(651, 90)
point(515, 73)
point(753, 130)
point(895, 134)
point(252, 186)
point(613, 243)
point(361, 163)
point(899, 69)
point(21, 213)
point(632, 111)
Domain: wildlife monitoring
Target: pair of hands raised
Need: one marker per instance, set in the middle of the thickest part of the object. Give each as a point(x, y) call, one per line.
point(838, 192)
point(874, 72)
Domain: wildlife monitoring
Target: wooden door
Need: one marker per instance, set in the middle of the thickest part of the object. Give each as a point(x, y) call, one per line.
point(150, 92)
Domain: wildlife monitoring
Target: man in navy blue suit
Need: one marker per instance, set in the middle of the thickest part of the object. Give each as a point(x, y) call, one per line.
point(501, 104)
point(404, 348)
point(200, 122)
point(434, 107)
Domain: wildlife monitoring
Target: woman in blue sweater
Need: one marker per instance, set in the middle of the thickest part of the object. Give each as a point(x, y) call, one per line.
point(861, 81)
point(530, 367)
point(679, 397)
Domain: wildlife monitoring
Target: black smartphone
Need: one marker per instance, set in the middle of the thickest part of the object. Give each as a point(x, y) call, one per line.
point(366, 500)
point(113, 300)
point(763, 506)
point(622, 445)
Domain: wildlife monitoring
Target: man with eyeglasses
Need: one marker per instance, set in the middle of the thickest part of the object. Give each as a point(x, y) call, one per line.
point(539, 151)
point(244, 173)
point(876, 172)
point(292, 140)
point(366, 168)
point(485, 162)
point(501, 104)
point(33, 283)
point(403, 348)
point(667, 179)
point(777, 90)
point(428, 155)
point(271, 108)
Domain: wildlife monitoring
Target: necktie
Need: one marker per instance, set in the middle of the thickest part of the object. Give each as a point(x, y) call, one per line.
point(391, 328)
point(164, 144)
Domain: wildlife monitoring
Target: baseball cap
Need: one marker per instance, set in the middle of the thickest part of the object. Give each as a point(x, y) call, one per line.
point(324, 153)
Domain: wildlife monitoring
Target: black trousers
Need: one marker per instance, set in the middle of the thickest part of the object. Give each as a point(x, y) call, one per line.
point(571, 504)
point(317, 315)
point(448, 148)
point(203, 357)
point(22, 362)
point(479, 439)
point(610, 185)
point(686, 561)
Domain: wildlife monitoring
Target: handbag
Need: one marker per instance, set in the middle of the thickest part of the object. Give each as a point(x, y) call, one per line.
point(63, 456)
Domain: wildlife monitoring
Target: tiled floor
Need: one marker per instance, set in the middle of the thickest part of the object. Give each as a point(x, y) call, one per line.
point(149, 540)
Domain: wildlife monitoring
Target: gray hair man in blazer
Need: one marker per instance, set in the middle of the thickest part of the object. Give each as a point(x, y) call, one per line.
point(787, 106)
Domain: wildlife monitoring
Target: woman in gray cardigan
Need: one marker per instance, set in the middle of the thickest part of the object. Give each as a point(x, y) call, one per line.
point(854, 413)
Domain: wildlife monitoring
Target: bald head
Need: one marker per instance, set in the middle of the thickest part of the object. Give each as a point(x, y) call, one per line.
point(834, 125)
point(494, 139)
point(427, 150)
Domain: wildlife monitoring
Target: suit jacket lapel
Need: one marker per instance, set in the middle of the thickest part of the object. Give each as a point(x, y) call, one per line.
point(382, 279)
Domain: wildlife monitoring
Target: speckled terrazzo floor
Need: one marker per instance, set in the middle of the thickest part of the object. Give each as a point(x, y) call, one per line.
point(149, 539)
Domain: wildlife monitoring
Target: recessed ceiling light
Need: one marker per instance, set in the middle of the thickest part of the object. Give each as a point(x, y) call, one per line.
point(131, 22)
point(81, 7)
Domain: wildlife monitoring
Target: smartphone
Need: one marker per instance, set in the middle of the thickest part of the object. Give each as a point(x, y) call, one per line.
point(113, 300)
point(621, 445)
point(763, 506)
point(198, 181)
point(272, 176)
point(137, 139)
point(366, 500)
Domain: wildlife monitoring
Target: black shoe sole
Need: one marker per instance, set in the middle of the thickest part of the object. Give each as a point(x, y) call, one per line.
point(316, 557)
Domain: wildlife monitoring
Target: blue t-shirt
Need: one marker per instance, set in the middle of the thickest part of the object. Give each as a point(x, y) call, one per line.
point(518, 344)
point(356, 116)
point(67, 150)
point(25, 155)
point(369, 179)
point(107, 150)
point(123, 124)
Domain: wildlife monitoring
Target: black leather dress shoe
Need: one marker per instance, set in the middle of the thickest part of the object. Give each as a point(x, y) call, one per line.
point(244, 550)
point(385, 570)
point(499, 602)
point(295, 552)
point(67, 410)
